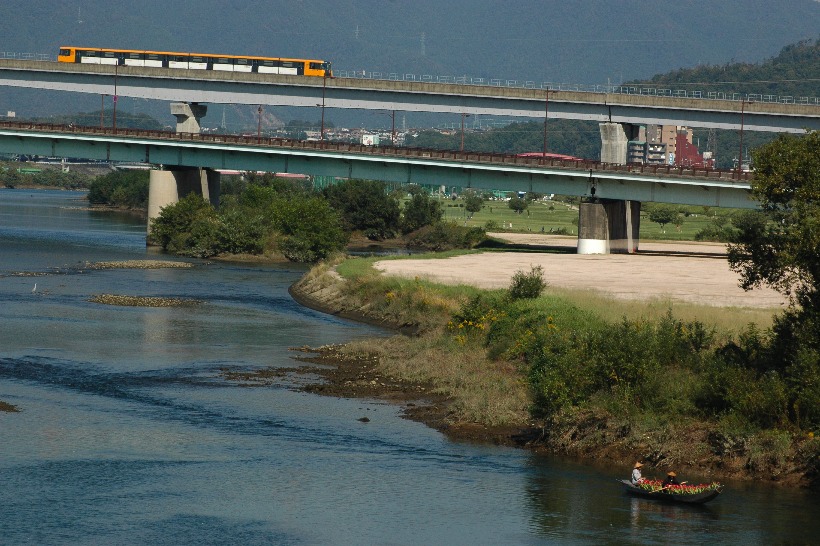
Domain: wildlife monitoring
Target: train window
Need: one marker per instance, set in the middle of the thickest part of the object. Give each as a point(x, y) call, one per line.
point(135, 56)
point(316, 66)
point(178, 58)
point(221, 60)
point(198, 59)
point(65, 52)
point(288, 64)
point(109, 54)
point(153, 57)
point(243, 61)
point(267, 63)
point(89, 53)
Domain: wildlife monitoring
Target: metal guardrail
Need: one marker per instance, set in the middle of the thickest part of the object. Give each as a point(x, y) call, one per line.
point(583, 88)
point(392, 151)
point(27, 56)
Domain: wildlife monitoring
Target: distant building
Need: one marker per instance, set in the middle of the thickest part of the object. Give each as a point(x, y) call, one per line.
point(666, 145)
point(370, 140)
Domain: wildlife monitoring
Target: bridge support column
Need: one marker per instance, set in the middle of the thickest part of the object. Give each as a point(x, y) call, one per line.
point(188, 115)
point(615, 139)
point(166, 187)
point(609, 226)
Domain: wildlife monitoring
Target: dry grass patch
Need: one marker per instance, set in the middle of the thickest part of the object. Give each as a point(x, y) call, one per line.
point(725, 319)
point(481, 391)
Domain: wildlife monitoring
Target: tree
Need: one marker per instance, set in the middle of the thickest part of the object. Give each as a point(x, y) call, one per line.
point(518, 204)
point(473, 202)
point(188, 227)
point(365, 205)
point(662, 214)
point(784, 253)
point(420, 211)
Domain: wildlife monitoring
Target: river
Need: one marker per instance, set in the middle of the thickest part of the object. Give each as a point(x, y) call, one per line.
point(127, 433)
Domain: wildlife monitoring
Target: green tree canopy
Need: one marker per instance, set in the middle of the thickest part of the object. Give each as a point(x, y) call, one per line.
point(420, 211)
point(662, 214)
point(518, 204)
point(784, 253)
point(473, 201)
point(365, 205)
point(121, 189)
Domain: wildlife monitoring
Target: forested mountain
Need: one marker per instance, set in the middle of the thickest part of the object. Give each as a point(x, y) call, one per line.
point(794, 72)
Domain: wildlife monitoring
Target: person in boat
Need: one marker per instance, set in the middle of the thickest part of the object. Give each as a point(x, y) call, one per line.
point(671, 479)
point(636, 473)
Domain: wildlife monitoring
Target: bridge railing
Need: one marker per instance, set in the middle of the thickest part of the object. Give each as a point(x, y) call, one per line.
point(647, 90)
point(27, 56)
point(584, 165)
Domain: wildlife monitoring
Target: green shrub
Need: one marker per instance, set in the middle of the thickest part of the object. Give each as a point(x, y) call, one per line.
point(120, 189)
point(420, 211)
point(527, 285)
point(445, 236)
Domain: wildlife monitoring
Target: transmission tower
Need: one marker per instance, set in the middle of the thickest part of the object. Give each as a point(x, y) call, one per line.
point(711, 143)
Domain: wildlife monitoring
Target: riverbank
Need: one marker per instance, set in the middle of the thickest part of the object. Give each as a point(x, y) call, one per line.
point(398, 370)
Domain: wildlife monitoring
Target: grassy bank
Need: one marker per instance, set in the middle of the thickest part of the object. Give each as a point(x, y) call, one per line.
point(582, 374)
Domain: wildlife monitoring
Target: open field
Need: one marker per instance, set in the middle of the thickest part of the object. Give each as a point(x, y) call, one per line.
point(693, 273)
point(564, 216)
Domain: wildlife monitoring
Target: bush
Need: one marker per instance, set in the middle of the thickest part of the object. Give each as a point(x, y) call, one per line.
point(420, 211)
point(445, 236)
point(365, 205)
point(120, 189)
point(311, 230)
point(527, 285)
point(189, 227)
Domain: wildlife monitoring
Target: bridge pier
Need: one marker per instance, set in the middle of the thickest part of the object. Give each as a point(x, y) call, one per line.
point(609, 226)
point(615, 139)
point(188, 115)
point(168, 186)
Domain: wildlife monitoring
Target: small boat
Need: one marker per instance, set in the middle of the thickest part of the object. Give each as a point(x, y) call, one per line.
point(685, 494)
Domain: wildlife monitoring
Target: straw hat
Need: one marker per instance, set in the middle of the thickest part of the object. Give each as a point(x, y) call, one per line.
point(638, 464)
point(671, 474)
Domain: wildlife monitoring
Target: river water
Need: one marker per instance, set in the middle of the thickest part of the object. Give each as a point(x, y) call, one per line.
point(128, 435)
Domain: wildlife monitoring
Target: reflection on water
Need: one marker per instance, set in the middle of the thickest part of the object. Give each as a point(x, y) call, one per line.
point(129, 435)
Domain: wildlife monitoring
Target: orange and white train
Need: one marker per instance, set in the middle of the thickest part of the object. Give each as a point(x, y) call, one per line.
point(195, 61)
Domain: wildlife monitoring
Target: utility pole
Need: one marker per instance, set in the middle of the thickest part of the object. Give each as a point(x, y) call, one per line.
point(114, 119)
point(324, 88)
point(740, 153)
point(546, 115)
point(463, 115)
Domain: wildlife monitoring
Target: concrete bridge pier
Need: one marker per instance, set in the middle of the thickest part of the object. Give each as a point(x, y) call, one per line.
point(168, 186)
point(609, 226)
point(188, 115)
point(615, 138)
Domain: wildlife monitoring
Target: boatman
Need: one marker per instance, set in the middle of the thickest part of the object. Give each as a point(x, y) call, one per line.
point(671, 479)
point(636, 473)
